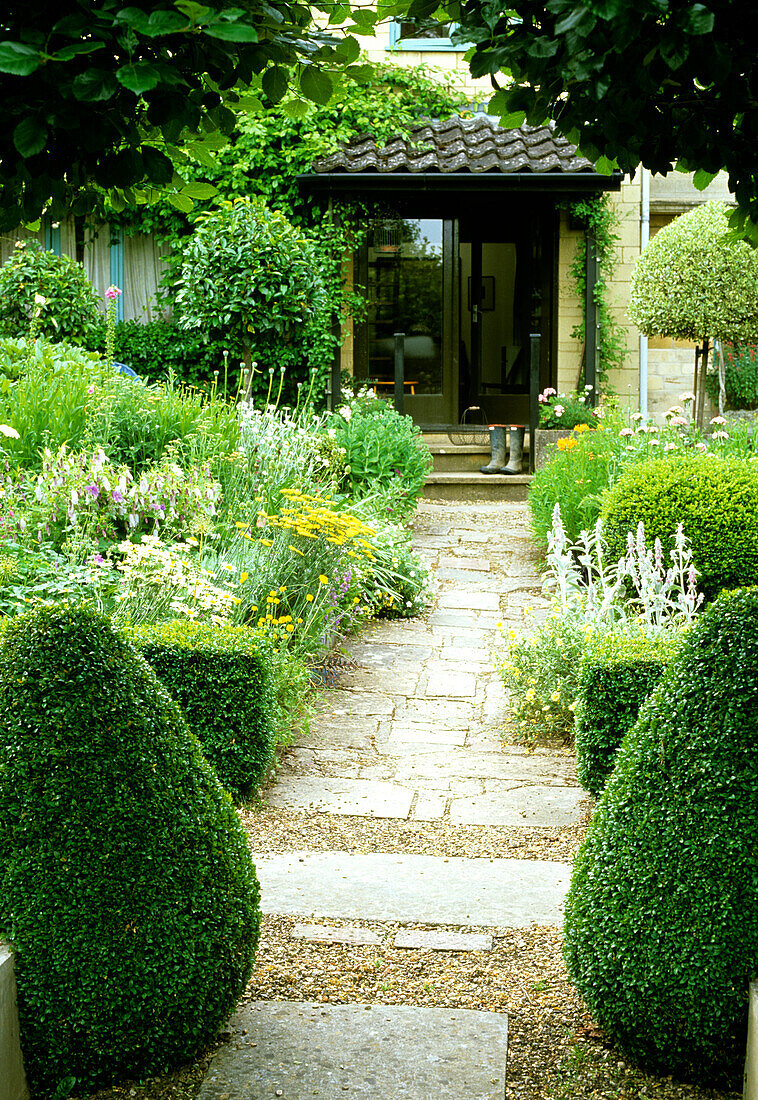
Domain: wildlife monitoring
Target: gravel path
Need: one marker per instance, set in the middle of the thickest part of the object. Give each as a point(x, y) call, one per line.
point(410, 755)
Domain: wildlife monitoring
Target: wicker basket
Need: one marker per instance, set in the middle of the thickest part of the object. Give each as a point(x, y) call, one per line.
point(472, 429)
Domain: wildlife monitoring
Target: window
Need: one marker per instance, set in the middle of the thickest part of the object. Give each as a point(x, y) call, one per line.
point(423, 35)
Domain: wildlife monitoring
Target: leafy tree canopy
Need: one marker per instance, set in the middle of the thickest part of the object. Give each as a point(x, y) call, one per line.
point(651, 82)
point(104, 98)
point(693, 281)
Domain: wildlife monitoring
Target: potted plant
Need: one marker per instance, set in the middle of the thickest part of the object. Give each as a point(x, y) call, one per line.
point(560, 413)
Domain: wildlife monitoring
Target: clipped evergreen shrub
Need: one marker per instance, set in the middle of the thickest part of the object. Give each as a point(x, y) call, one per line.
point(662, 915)
point(220, 679)
point(716, 500)
point(618, 674)
point(126, 885)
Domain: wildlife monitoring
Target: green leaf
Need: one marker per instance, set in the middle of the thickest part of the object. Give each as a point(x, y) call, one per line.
point(274, 82)
point(702, 179)
point(158, 167)
point(196, 189)
point(76, 48)
point(18, 59)
point(29, 137)
point(164, 22)
point(699, 20)
point(138, 77)
point(94, 85)
point(349, 50)
point(295, 108)
point(316, 85)
point(232, 32)
point(542, 47)
point(605, 167)
point(181, 202)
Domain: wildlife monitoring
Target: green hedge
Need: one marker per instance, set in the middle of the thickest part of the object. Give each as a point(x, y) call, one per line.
point(126, 885)
point(617, 676)
point(662, 915)
point(715, 499)
point(220, 679)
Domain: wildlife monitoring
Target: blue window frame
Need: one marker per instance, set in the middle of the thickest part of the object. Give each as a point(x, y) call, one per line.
point(425, 36)
point(117, 266)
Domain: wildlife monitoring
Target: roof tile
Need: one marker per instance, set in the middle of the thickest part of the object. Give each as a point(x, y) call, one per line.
point(475, 144)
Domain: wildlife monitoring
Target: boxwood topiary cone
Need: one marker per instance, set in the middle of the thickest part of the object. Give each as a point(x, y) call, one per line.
point(126, 885)
point(662, 914)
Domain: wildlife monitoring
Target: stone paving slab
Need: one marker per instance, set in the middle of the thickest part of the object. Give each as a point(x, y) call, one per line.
point(502, 893)
point(360, 797)
point(468, 600)
point(339, 703)
point(455, 562)
point(450, 683)
point(323, 933)
point(407, 733)
point(535, 805)
point(436, 712)
point(398, 680)
point(388, 656)
point(430, 806)
point(298, 1050)
point(438, 940)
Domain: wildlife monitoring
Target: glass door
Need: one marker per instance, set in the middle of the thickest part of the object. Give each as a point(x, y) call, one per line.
point(408, 278)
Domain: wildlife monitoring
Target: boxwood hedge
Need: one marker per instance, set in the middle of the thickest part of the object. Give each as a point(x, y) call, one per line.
point(716, 501)
point(220, 679)
point(618, 674)
point(662, 914)
point(126, 885)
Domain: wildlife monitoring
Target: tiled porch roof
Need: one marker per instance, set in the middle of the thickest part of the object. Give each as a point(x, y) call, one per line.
point(460, 145)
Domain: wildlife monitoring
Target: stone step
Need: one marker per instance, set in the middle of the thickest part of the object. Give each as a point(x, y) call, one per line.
point(499, 893)
point(298, 1050)
point(477, 486)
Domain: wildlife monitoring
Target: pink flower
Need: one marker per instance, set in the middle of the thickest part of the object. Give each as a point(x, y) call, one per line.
point(549, 392)
point(112, 293)
point(626, 431)
point(701, 446)
point(542, 399)
point(678, 422)
point(90, 389)
point(718, 420)
point(558, 410)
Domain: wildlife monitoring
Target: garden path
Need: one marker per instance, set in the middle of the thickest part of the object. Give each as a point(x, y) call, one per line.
point(410, 743)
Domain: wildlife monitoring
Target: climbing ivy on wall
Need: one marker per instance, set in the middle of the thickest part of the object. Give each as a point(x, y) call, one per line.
point(599, 220)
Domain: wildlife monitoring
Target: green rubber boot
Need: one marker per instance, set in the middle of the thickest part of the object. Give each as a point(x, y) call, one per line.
point(497, 445)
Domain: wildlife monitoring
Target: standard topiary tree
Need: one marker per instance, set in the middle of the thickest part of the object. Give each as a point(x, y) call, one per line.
point(70, 310)
point(126, 885)
point(693, 282)
point(251, 276)
point(715, 500)
point(662, 914)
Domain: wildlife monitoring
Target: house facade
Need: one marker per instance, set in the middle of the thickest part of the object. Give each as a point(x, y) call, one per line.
point(469, 254)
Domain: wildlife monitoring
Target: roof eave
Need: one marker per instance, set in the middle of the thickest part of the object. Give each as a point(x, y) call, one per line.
point(335, 183)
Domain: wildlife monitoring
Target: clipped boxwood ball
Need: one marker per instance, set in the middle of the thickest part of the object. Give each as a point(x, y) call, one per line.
point(662, 914)
point(126, 884)
point(716, 501)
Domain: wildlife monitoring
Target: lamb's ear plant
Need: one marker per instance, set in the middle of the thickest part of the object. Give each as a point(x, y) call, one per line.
point(639, 594)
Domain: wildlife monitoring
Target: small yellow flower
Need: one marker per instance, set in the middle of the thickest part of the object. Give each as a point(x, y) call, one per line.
point(309, 597)
point(243, 577)
point(290, 627)
point(322, 579)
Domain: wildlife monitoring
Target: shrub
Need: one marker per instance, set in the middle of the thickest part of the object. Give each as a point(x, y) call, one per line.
point(618, 674)
point(70, 310)
point(219, 677)
point(126, 886)
point(157, 349)
point(716, 501)
point(383, 450)
point(662, 914)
